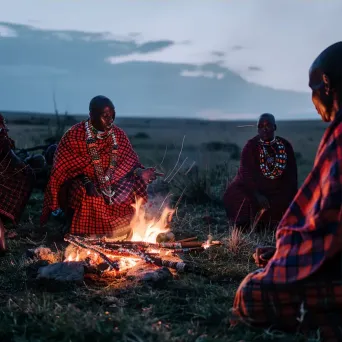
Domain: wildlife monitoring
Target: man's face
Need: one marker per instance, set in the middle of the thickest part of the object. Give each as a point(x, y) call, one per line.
point(266, 129)
point(103, 121)
point(323, 104)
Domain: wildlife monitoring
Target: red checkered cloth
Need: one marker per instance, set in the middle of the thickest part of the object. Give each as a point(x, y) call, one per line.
point(92, 215)
point(308, 238)
point(16, 183)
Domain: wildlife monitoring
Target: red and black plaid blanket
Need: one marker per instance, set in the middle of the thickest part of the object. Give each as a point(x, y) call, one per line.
point(308, 238)
point(92, 215)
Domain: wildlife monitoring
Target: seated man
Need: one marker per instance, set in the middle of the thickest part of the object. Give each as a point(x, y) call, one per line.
point(16, 183)
point(96, 175)
point(300, 286)
point(266, 179)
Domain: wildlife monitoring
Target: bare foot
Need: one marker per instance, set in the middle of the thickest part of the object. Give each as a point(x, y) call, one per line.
point(2, 239)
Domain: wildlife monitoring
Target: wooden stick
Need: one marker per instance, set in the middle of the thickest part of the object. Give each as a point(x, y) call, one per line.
point(187, 250)
point(188, 239)
point(74, 241)
point(148, 258)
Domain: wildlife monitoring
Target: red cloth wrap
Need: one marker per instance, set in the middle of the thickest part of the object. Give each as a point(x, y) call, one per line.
point(91, 214)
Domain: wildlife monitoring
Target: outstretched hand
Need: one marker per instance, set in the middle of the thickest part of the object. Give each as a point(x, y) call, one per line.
point(262, 255)
point(150, 174)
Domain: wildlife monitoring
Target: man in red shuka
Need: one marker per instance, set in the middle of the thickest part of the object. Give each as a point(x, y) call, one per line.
point(96, 175)
point(16, 183)
point(266, 181)
point(299, 284)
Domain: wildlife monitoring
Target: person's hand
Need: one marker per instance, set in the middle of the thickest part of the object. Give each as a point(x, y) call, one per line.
point(262, 255)
point(262, 201)
point(149, 175)
point(91, 189)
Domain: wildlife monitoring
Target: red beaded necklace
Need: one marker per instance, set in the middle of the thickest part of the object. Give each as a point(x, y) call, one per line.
point(272, 167)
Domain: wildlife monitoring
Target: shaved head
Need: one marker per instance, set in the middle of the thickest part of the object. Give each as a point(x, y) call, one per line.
point(268, 117)
point(325, 81)
point(328, 62)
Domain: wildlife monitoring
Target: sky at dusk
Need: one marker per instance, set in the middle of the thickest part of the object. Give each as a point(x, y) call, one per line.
point(167, 58)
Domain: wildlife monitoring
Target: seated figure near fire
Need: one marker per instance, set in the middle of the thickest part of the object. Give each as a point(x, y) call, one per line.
point(96, 176)
point(266, 181)
point(16, 183)
point(299, 284)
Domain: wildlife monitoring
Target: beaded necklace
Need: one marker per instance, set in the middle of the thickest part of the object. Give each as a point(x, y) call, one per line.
point(272, 167)
point(103, 178)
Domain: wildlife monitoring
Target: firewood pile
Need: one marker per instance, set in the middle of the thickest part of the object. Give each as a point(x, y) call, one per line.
point(119, 256)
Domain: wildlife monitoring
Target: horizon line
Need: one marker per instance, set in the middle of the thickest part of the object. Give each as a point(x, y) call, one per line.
point(158, 118)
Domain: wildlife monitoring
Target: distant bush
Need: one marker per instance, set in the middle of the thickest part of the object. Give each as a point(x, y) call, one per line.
point(57, 129)
point(67, 120)
point(20, 122)
point(231, 148)
point(142, 135)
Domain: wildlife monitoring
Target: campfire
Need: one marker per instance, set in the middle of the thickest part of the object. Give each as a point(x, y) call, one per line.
point(151, 242)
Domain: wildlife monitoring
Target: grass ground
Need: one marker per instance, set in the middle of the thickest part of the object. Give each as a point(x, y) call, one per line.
point(190, 308)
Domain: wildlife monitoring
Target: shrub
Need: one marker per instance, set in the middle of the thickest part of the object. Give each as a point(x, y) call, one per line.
point(231, 148)
point(203, 187)
point(142, 135)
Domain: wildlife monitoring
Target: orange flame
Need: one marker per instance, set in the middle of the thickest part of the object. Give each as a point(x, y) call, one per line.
point(148, 230)
point(144, 229)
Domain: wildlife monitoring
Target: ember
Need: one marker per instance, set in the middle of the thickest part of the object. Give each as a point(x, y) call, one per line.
point(142, 246)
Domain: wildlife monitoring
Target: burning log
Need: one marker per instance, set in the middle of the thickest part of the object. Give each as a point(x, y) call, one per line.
point(141, 250)
point(112, 264)
point(178, 266)
point(188, 239)
point(169, 245)
point(104, 243)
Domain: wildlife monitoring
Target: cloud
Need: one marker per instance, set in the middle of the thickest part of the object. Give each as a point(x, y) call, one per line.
point(7, 32)
point(144, 78)
point(254, 68)
point(218, 53)
point(108, 36)
point(63, 36)
point(248, 33)
point(177, 53)
point(154, 46)
point(201, 73)
point(237, 48)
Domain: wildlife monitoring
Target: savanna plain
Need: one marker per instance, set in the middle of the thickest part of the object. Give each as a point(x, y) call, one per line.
point(191, 307)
